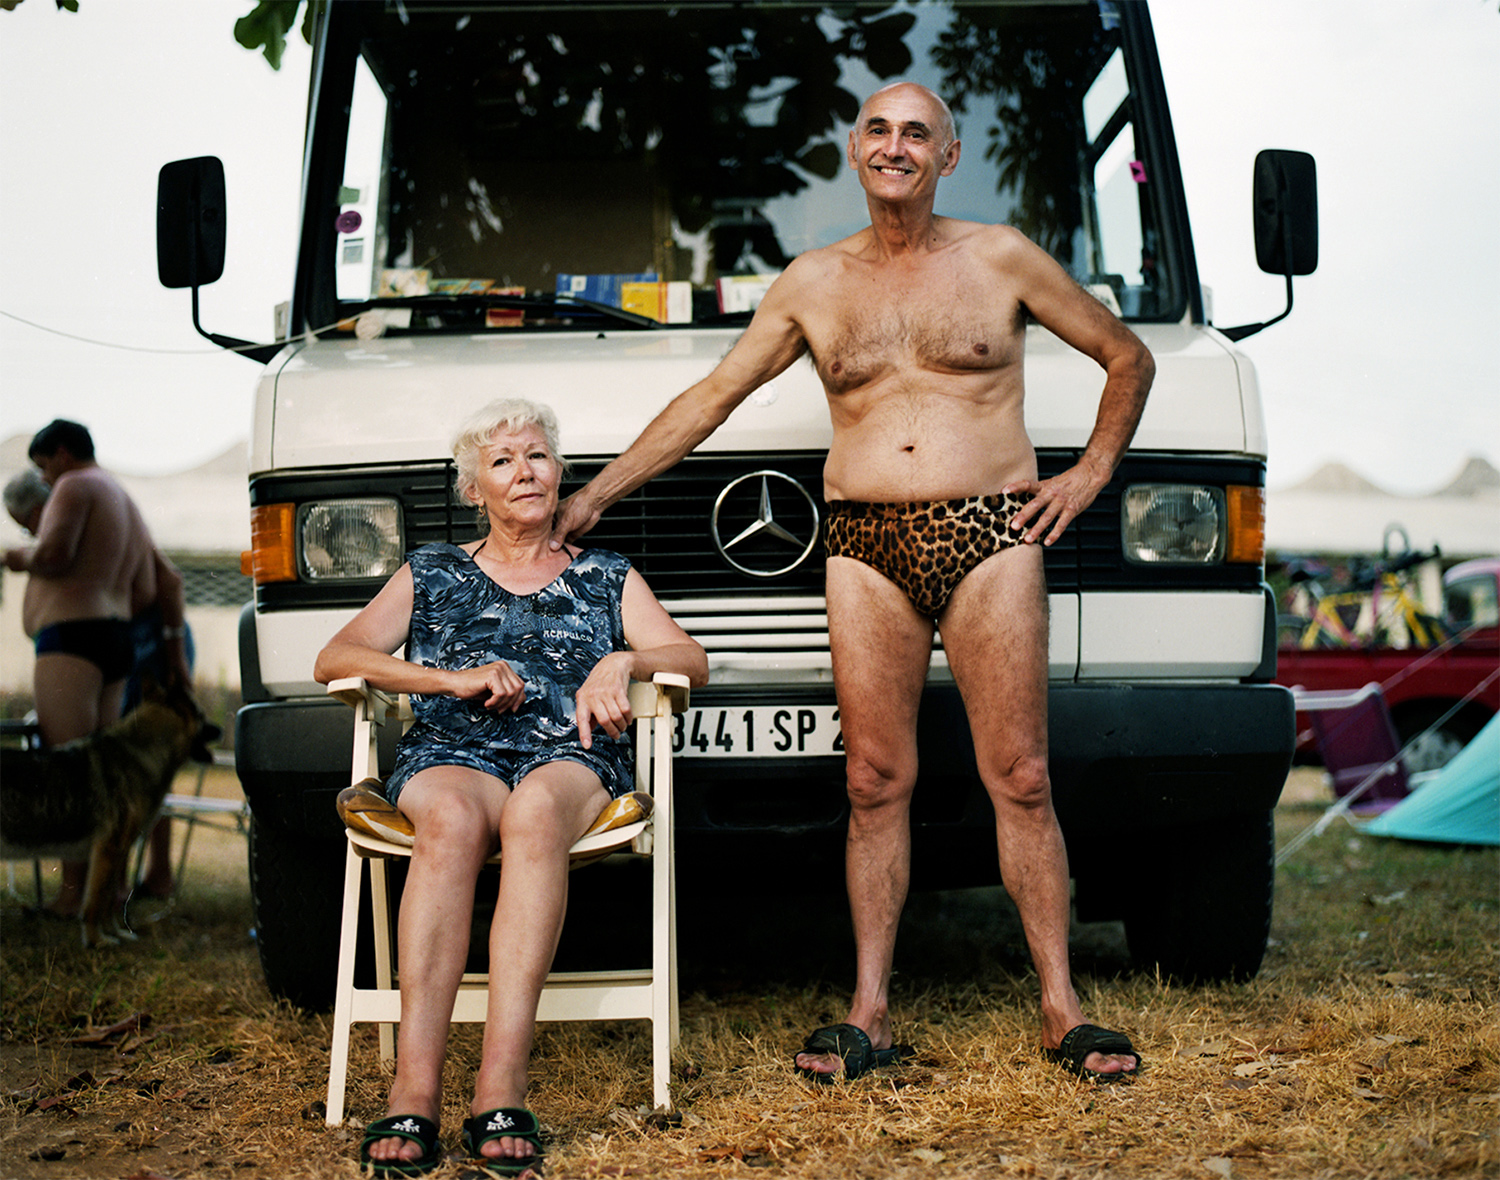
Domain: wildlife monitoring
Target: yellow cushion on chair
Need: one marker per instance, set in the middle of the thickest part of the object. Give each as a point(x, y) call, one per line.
point(627, 809)
point(363, 808)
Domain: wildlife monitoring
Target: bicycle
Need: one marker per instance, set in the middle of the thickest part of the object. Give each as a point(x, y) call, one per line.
point(1377, 609)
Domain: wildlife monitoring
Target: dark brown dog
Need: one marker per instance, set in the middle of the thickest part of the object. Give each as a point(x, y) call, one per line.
point(96, 795)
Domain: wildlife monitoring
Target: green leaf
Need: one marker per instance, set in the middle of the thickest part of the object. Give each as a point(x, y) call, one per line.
point(313, 8)
point(265, 27)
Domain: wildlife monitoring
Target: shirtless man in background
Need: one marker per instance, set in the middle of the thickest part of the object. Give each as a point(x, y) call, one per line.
point(92, 563)
point(916, 327)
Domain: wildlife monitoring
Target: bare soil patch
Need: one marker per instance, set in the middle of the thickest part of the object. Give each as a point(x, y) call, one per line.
point(1367, 1047)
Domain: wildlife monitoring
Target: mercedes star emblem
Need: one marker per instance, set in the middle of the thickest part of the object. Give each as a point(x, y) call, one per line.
point(760, 547)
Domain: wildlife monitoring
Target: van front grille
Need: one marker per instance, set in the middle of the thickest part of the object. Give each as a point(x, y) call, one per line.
point(666, 527)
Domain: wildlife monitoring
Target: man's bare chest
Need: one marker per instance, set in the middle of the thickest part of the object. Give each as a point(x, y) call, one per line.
point(863, 332)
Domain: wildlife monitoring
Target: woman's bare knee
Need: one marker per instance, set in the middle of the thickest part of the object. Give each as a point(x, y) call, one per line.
point(449, 822)
point(531, 816)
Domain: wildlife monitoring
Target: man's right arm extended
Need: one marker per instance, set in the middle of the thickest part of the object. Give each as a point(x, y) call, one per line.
point(770, 344)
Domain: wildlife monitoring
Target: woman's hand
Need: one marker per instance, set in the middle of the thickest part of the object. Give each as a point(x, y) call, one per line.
point(497, 684)
point(604, 698)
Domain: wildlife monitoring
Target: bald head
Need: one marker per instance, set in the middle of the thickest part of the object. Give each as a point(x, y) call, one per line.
point(941, 120)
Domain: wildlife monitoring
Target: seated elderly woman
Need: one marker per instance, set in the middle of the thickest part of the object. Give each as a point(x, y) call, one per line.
point(519, 659)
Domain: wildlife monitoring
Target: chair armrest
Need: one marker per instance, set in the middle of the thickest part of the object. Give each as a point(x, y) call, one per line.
point(372, 708)
point(356, 690)
point(667, 693)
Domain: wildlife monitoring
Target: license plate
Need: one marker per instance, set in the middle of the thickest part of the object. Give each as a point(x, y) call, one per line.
point(761, 731)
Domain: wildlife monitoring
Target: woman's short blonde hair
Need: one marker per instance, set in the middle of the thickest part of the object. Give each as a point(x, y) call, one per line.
point(510, 414)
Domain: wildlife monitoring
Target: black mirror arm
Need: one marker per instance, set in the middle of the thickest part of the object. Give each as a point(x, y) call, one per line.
point(260, 353)
point(1244, 330)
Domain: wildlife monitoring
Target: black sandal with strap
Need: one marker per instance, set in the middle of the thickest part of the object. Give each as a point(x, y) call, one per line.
point(505, 1122)
point(412, 1127)
point(1084, 1039)
point(851, 1044)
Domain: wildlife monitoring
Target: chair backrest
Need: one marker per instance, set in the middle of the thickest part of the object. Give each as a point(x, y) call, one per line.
point(1359, 745)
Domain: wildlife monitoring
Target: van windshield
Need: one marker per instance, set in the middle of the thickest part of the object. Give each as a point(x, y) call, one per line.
point(502, 162)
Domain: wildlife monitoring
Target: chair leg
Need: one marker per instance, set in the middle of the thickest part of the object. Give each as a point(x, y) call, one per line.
point(338, 1058)
point(380, 908)
point(672, 949)
point(663, 923)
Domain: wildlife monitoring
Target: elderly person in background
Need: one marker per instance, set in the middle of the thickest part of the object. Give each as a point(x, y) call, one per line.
point(155, 621)
point(93, 567)
point(519, 659)
point(25, 496)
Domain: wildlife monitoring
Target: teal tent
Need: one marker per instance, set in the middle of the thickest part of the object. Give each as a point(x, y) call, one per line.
point(1460, 805)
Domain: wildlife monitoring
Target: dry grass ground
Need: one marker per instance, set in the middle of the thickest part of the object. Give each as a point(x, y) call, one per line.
point(1367, 1047)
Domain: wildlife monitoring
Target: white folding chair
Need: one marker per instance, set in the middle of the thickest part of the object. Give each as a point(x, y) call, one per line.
point(630, 994)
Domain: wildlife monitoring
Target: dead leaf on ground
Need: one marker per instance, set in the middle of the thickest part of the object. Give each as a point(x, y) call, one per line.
point(1380, 1064)
point(1369, 1095)
point(99, 1037)
point(1219, 1165)
point(928, 1155)
point(1206, 1049)
point(1459, 1074)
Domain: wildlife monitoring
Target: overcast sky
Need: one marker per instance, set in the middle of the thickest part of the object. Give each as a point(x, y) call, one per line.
point(1388, 363)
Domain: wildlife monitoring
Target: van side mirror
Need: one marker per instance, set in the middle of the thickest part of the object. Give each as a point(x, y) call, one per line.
point(190, 238)
point(190, 222)
point(1286, 223)
point(1286, 212)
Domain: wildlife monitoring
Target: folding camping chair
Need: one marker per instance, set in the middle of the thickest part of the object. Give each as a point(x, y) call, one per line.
point(1359, 745)
point(647, 993)
point(27, 735)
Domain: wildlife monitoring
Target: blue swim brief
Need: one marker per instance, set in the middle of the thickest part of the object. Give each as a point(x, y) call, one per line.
point(108, 644)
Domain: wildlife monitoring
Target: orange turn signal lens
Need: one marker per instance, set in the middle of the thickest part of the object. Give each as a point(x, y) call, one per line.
point(1247, 524)
point(273, 554)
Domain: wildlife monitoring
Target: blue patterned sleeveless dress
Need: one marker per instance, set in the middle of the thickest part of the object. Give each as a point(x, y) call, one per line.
point(462, 618)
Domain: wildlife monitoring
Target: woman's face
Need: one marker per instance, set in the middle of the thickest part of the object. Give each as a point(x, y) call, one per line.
point(518, 478)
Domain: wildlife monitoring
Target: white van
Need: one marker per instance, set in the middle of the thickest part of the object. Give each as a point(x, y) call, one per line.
point(582, 204)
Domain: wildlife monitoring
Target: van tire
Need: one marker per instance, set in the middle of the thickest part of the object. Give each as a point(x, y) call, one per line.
point(297, 888)
point(1201, 909)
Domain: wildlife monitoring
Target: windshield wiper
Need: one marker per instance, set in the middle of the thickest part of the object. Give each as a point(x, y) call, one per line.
point(539, 302)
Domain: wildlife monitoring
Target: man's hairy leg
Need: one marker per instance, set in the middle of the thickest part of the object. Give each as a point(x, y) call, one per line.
point(881, 648)
point(995, 635)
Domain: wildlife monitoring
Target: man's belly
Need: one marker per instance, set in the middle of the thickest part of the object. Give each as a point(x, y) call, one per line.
point(930, 471)
point(48, 602)
point(926, 440)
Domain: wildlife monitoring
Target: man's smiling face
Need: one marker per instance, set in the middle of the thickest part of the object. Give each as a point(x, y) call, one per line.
point(902, 142)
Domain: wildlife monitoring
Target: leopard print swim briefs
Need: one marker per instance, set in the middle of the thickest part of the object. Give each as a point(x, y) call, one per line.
point(924, 547)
